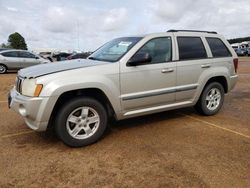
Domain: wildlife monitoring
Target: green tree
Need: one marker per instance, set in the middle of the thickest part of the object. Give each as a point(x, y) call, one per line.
point(17, 41)
point(4, 45)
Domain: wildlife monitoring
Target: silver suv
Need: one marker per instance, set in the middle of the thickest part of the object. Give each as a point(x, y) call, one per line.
point(126, 77)
point(18, 59)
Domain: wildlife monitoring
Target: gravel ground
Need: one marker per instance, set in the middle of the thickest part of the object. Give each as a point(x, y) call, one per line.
point(171, 149)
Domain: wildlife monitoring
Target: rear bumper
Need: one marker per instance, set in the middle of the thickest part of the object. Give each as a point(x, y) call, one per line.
point(30, 108)
point(233, 80)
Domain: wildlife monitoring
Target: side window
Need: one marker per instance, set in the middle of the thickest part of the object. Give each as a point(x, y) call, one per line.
point(160, 49)
point(26, 55)
point(191, 48)
point(218, 48)
point(9, 54)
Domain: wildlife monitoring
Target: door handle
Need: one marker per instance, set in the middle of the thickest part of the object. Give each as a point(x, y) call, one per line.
point(167, 70)
point(206, 66)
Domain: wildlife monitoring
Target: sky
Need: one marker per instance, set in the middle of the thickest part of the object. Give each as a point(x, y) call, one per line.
point(85, 25)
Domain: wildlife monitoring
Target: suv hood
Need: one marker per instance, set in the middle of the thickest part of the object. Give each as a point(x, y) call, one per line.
point(44, 69)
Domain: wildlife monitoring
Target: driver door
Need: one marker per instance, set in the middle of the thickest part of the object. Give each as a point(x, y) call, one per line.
point(150, 84)
point(28, 59)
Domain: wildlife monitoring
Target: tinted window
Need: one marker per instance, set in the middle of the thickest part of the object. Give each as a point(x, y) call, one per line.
point(160, 49)
point(26, 55)
point(2, 49)
point(9, 54)
point(218, 48)
point(191, 48)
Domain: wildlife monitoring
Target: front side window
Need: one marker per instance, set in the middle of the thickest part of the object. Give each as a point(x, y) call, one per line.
point(191, 48)
point(218, 48)
point(115, 49)
point(159, 49)
point(26, 55)
point(10, 54)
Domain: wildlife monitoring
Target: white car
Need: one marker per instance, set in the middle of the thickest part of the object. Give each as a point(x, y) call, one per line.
point(18, 59)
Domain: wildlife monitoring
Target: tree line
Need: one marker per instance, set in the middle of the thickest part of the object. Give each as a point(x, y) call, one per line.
point(15, 41)
point(239, 40)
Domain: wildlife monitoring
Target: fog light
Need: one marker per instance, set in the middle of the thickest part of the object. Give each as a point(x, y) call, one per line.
point(22, 110)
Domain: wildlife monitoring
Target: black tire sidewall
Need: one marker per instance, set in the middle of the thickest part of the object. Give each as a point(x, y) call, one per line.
point(67, 108)
point(203, 104)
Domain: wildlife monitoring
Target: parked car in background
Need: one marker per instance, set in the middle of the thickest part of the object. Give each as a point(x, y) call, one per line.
point(18, 59)
point(248, 51)
point(47, 55)
point(61, 56)
point(2, 49)
point(79, 56)
point(241, 51)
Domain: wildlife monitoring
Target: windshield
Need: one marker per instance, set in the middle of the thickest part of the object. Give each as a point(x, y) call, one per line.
point(115, 49)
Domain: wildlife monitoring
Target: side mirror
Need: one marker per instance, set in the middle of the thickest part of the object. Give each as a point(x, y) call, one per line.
point(36, 57)
point(139, 59)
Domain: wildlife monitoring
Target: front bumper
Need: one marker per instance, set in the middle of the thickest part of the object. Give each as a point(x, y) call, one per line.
point(30, 108)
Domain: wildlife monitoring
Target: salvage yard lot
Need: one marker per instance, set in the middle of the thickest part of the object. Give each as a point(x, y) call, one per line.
point(171, 149)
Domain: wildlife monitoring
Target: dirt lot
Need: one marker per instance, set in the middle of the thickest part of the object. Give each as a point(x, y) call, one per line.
point(170, 149)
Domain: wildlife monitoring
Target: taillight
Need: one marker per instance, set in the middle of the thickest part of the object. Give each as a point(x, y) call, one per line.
point(236, 62)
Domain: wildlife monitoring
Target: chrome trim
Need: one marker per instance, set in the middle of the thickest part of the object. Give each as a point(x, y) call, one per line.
point(19, 81)
point(158, 92)
point(145, 110)
point(186, 88)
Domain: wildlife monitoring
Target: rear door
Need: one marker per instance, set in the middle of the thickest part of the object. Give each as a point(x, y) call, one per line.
point(193, 60)
point(28, 59)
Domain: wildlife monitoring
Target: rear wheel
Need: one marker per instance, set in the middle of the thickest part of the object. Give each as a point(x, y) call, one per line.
point(81, 121)
point(3, 69)
point(211, 99)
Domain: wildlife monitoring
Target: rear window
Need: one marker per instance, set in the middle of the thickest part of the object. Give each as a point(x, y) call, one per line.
point(191, 48)
point(218, 48)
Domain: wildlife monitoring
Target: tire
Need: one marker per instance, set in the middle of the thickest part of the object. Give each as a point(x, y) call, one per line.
point(3, 69)
point(81, 121)
point(211, 99)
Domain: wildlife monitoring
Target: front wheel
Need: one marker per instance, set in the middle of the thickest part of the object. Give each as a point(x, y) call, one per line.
point(80, 122)
point(211, 99)
point(3, 69)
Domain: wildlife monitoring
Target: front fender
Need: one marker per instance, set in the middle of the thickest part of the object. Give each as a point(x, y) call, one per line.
point(109, 86)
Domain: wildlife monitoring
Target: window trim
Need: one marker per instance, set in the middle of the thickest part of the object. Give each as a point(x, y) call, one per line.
point(10, 52)
point(191, 59)
point(229, 52)
point(171, 57)
point(19, 52)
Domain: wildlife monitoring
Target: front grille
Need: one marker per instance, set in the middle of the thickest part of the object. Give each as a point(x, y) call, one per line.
point(19, 85)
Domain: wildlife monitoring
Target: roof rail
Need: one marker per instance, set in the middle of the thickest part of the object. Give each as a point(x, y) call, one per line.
point(173, 30)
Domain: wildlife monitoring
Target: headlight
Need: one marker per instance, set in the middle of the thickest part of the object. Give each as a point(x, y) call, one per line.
point(30, 88)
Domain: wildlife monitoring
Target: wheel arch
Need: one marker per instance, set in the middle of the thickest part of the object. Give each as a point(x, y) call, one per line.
point(5, 66)
point(220, 79)
point(95, 93)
